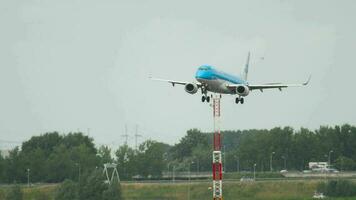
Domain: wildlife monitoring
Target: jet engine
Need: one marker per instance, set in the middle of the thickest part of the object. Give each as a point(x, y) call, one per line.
point(242, 90)
point(191, 88)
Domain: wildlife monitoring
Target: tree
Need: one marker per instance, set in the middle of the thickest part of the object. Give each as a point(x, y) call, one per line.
point(151, 158)
point(92, 186)
point(35, 160)
point(2, 166)
point(74, 155)
point(113, 192)
point(104, 154)
point(78, 139)
point(14, 170)
point(127, 162)
point(345, 163)
point(46, 142)
point(51, 152)
point(67, 190)
point(185, 147)
point(61, 163)
point(202, 158)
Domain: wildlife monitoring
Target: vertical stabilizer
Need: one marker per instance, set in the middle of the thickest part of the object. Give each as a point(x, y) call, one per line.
point(245, 71)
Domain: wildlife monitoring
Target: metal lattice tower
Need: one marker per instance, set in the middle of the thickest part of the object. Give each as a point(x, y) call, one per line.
point(136, 136)
point(114, 173)
point(126, 136)
point(217, 161)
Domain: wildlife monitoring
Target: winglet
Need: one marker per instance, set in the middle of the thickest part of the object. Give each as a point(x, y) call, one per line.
point(307, 82)
point(245, 70)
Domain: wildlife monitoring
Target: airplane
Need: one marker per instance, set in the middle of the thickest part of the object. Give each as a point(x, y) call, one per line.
point(209, 79)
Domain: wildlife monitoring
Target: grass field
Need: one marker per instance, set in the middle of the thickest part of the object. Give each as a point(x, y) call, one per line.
point(234, 191)
point(273, 190)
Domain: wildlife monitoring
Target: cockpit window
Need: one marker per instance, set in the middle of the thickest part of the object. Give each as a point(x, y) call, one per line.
point(205, 67)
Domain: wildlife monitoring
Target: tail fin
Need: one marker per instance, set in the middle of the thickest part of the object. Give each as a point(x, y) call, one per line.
point(245, 71)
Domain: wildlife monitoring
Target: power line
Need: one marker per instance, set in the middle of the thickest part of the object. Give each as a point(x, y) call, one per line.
point(10, 142)
point(136, 137)
point(126, 136)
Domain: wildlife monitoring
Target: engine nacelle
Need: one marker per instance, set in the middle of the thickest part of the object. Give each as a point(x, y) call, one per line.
point(191, 88)
point(242, 90)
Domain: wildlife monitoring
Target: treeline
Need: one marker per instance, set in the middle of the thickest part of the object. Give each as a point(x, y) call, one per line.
point(295, 148)
point(52, 157)
point(289, 148)
point(49, 158)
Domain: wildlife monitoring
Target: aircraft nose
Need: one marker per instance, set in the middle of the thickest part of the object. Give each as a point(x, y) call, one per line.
point(202, 75)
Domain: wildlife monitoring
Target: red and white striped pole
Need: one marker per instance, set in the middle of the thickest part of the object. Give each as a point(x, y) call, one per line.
point(217, 161)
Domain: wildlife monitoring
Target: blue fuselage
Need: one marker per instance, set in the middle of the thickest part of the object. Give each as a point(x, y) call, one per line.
point(216, 81)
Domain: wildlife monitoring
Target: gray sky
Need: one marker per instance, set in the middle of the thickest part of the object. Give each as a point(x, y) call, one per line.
point(68, 65)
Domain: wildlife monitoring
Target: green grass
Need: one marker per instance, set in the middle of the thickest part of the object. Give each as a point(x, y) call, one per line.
point(39, 193)
point(250, 191)
point(269, 190)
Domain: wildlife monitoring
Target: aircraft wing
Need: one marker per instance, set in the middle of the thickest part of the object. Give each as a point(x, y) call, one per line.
point(272, 85)
point(174, 82)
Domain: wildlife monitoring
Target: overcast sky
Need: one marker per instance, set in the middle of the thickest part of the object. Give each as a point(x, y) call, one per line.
point(84, 65)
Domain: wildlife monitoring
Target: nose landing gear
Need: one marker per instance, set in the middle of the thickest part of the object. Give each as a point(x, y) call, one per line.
point(239, 99)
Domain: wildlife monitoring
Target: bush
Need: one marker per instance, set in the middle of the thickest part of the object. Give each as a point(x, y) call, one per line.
point(339, 188)
point(113, 192)
point(91, 187)
point(14, 193)
point(67, 191)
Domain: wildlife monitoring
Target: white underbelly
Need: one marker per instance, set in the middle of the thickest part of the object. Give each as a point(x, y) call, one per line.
point(216, 86)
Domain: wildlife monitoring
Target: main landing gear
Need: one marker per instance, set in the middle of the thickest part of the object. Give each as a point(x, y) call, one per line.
point(205, 98)
point(239, 99)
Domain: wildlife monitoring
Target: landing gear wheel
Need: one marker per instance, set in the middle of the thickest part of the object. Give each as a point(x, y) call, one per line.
point(237, 100)
point(242, 100)
point(208, 99)
point(202, 98)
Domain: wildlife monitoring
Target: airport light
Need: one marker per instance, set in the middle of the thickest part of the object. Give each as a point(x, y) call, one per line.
point(285, 162)
point(198, 167)
point(77, 164)
point(174, 167)
point(254, 172)
point(342, 163)
point(271, 161)
point(168, 170)
point(189, 179)
point(237, 163)
point(190, 163)
point(331, 151)
point(224, 166)
point(28, 177)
